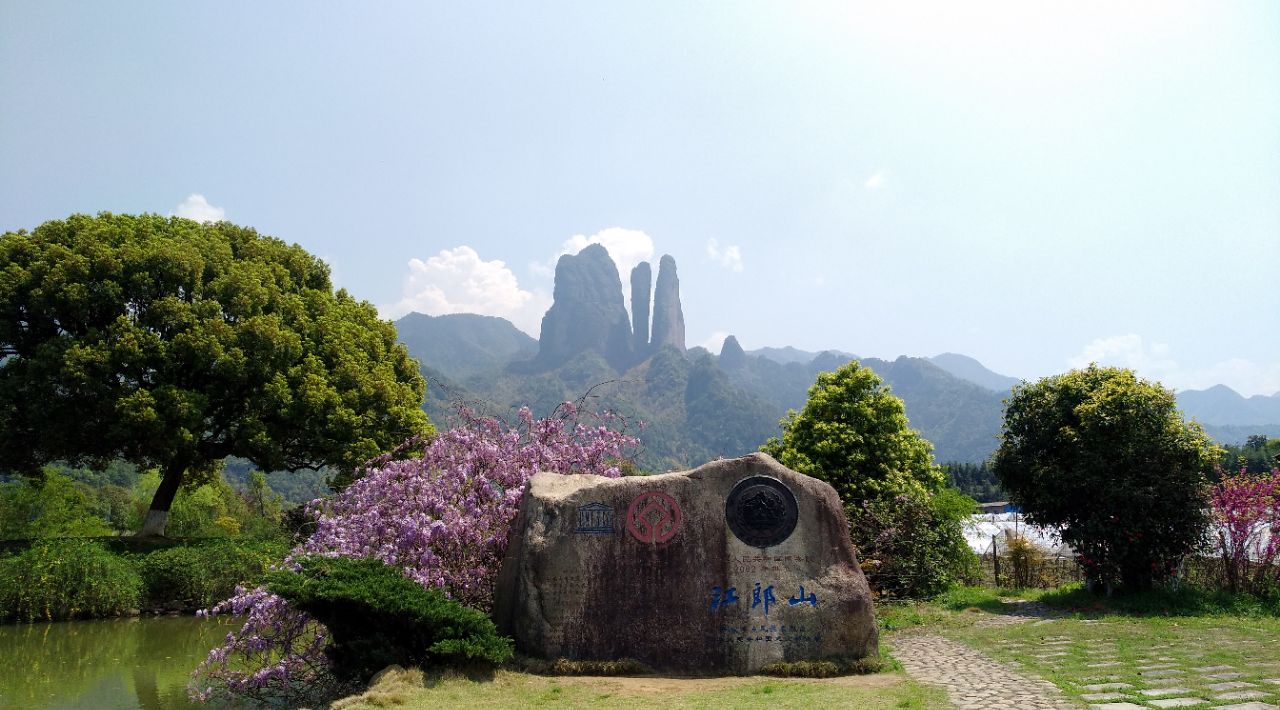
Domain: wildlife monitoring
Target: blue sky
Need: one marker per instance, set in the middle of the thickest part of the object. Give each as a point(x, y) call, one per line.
point(1037, 185)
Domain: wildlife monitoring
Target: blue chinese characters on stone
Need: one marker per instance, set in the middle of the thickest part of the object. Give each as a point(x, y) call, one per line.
point(764, 596)
point(811, 600)
point(721, 599)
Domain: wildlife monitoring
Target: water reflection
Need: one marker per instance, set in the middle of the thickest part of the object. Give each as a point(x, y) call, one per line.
point(114, 663)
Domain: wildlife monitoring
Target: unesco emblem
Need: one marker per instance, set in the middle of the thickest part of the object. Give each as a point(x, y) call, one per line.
point(761, 511)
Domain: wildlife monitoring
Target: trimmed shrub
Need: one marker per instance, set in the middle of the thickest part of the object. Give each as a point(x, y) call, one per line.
point(378, 617)
point(67, 579)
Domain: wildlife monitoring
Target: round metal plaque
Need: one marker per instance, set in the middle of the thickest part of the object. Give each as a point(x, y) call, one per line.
point(761, 511)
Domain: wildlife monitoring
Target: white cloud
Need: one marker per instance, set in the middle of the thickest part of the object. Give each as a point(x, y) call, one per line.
point(627, 247)
point(729, 257)
point(1155, 361)
point(198, 208)
point(875, 182)
point(1127, 351)
point(459, 281)
point(715, 341)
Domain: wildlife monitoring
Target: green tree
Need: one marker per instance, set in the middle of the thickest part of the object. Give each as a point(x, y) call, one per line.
point(907, 524)
point(1258, 454)
point(170, 343)
point(853, 433)
point(975, 480)
point(1106, 457)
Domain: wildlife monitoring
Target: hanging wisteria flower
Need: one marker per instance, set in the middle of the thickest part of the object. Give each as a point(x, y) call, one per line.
point(442, 517)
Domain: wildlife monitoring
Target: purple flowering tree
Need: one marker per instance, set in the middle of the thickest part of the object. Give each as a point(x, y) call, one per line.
point(442, 517)
point(1246, 509)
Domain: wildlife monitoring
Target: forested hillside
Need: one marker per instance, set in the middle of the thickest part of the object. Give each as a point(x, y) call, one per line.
point(696, 408)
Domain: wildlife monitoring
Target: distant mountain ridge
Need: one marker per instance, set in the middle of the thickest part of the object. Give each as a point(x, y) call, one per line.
point(698, 405)
point(788, 354)
point(967, 368)
point(476, 343)
point(1224, 406)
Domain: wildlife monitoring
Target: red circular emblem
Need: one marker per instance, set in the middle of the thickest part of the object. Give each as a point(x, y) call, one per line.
point(653, 517)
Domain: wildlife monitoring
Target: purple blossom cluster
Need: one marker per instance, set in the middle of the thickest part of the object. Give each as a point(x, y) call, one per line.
point(1246, 509)
point(443, 517)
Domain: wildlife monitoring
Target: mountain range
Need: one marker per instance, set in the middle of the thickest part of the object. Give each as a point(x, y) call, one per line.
point(697, 405)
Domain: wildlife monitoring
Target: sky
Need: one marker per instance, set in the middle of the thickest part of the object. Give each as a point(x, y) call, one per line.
point(1038, 185)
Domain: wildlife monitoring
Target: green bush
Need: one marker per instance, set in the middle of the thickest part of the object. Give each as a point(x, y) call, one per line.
point(67, 579)
point(52, 506)
point(201, 575)
point(378, 617)
point(913, 546)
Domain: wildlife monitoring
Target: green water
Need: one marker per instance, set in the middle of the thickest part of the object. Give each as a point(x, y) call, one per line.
point(107, 664)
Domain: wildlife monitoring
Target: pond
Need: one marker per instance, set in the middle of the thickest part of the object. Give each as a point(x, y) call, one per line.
point(105, 664)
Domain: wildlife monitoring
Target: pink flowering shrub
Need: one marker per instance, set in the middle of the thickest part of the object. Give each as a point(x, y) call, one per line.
point(442, 517)
point(1246, 509)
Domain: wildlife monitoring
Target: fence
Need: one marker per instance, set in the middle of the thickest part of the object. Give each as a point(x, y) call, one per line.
point(1023, 565)
point(1002, 566)
point(1210, 572)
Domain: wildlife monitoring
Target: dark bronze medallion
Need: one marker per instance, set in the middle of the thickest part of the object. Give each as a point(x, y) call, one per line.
point(761, 511)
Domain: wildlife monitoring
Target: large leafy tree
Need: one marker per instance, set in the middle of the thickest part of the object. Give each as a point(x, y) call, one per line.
point(1107, 457)
point(907, 525)
point(175, 344)
point(853, 433)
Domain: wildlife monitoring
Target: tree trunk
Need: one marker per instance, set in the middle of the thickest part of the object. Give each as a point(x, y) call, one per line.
point(158, 515)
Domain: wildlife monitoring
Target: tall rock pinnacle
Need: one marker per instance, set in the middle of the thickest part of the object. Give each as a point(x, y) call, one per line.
point(641, 290)
point(668, 318)
point(587, 312)
point(732, 356)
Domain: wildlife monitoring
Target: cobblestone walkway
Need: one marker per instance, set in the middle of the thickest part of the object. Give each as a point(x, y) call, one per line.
point(972, 680)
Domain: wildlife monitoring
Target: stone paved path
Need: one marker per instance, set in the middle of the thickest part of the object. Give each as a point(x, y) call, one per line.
point(972, 680)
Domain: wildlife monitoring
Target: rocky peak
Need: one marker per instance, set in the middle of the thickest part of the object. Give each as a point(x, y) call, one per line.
point(587, 312)
point(641, 290)
point(732, 356)
point(668, 318)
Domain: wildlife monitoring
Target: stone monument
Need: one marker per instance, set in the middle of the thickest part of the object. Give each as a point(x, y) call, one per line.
point(726, 568)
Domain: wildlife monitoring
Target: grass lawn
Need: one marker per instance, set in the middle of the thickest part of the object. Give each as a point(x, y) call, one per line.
point(509, 689)
point(1140, 649)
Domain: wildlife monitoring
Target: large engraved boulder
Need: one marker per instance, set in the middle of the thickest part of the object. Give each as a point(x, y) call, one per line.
point(726, 568)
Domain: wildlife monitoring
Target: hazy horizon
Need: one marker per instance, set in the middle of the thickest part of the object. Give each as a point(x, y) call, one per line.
point(1033, 186)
